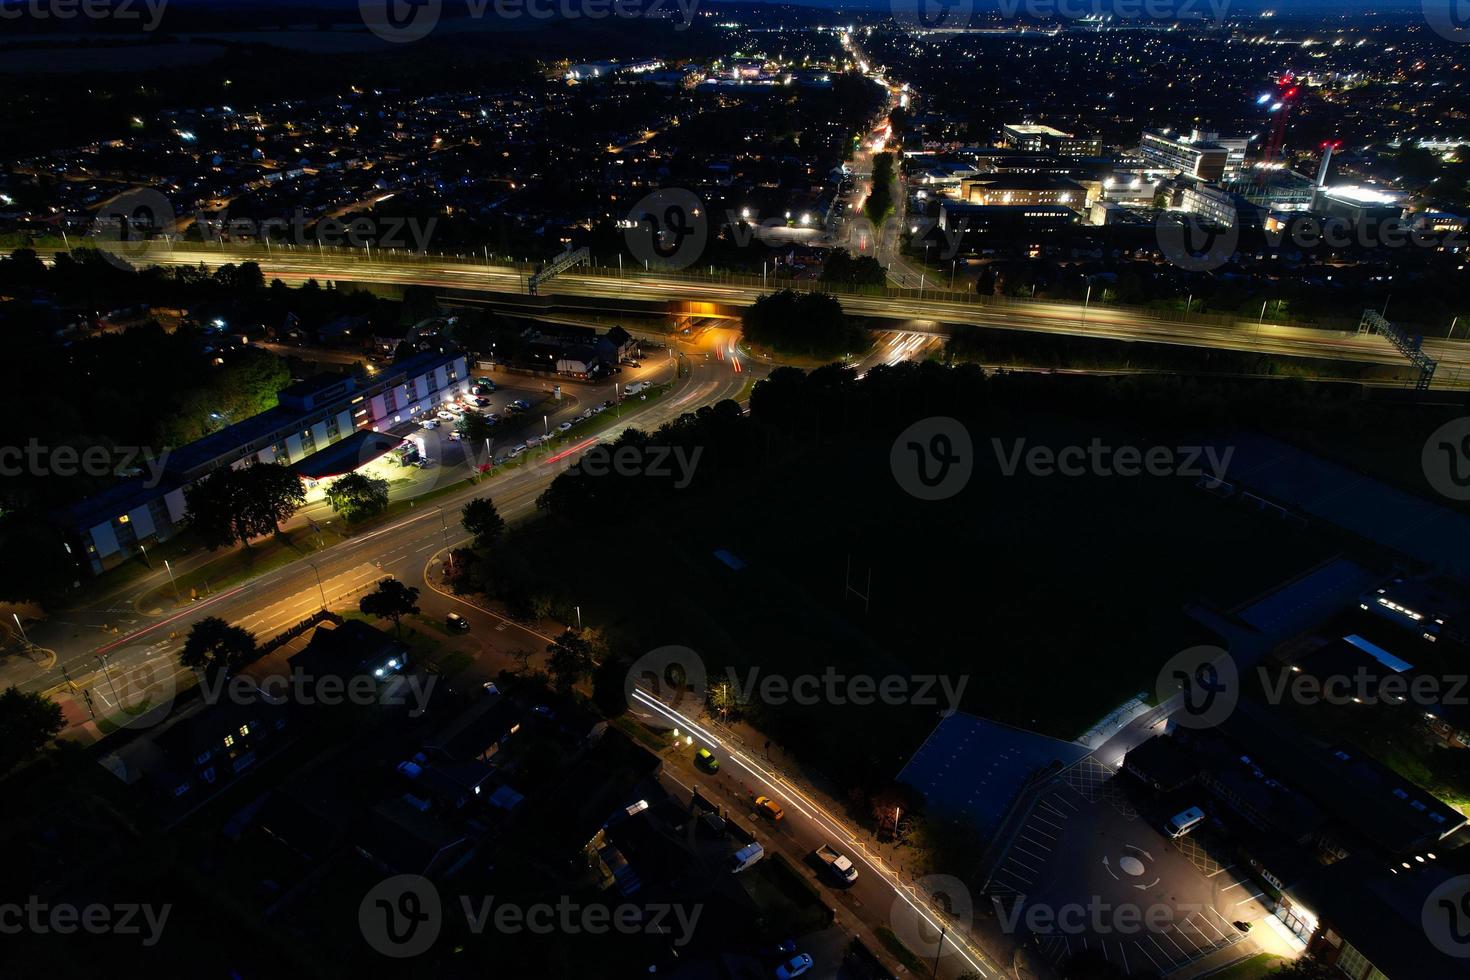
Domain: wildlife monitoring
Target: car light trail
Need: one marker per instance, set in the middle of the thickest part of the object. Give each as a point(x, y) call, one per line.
point(811, 810)
point(568, 451)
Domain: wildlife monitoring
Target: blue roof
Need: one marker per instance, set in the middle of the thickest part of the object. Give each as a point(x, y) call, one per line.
point(971, 767)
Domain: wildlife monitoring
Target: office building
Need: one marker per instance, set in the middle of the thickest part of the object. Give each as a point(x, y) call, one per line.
point(309, 416)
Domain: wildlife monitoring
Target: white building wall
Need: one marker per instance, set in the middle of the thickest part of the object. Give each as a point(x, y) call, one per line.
point(105, 540)
point(293, 449)
point(177, 506)
point(319, 434)
point(142, 522)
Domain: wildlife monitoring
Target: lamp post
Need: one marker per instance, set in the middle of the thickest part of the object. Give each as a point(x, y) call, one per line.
point(171, 578)
point(102, 659)
point(1085, 301)
point(319, 588)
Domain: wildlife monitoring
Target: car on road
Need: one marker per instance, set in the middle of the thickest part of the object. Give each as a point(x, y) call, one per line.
point(521, 404)
point(477, 400)
point(485, 383)
point(446, 415)
point(564, 427)
point(430, 423)
point(454, 435)
point(705, 759)
point(794, 967)
point(457, 623)
point(838, 865)
point(769, 808)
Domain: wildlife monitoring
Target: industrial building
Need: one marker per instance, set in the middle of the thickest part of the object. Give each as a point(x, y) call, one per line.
point(309, 416)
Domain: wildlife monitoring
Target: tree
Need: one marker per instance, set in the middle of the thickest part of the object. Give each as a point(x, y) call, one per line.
point(271, 493)
point(474, 429)
point(212, 505)
point(358, 495)
point(841, 267)
point(571, 657)
point(213, 646)
point(483, 521)
point(28, 721)
point(233, 505)
point(391, 600)
point(803, 323)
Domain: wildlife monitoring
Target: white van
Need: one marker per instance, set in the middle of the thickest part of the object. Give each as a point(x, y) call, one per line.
point(1182, 823)
point(745, 857)
point(518, 450)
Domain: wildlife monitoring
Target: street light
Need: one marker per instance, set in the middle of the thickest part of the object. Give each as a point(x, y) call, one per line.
point(1086, 300)
point(171, 578)
point(102, 659)
point(319, 583)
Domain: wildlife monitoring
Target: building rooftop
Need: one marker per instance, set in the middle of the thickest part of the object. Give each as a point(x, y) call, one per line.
point(345, 455)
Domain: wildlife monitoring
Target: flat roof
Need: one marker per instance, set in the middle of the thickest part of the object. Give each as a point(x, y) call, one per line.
point(345, 455)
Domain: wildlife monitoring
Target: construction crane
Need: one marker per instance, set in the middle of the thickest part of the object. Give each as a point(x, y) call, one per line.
point(1280, 101)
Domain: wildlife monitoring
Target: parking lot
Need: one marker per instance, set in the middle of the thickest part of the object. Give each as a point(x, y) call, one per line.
point(1087, 872)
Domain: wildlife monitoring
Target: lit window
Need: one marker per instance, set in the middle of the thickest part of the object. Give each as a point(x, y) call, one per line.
point(229, 740)
point(244, 730)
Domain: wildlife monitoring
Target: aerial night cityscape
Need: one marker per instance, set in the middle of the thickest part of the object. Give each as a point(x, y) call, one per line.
point(735, 489)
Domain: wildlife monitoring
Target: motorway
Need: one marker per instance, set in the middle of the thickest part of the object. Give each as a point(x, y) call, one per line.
point(929, 313)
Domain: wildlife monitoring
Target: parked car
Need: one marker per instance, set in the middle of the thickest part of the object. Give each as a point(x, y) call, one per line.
point(518, 450)
point(769, 808)
point(745, 857)
point(430, 423)
point(705, 759)
point(794, 967)
point(1182, 823)
point(521, 404)
point(564, 427)
point(454, 435)
point(446, 415)
point(457, 623)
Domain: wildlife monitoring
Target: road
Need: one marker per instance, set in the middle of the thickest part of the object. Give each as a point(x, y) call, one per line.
point(126, 668)
point(928, 314)
point(880, 896)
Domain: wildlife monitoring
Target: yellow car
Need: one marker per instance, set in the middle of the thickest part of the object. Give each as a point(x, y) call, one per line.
point(769, 808)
